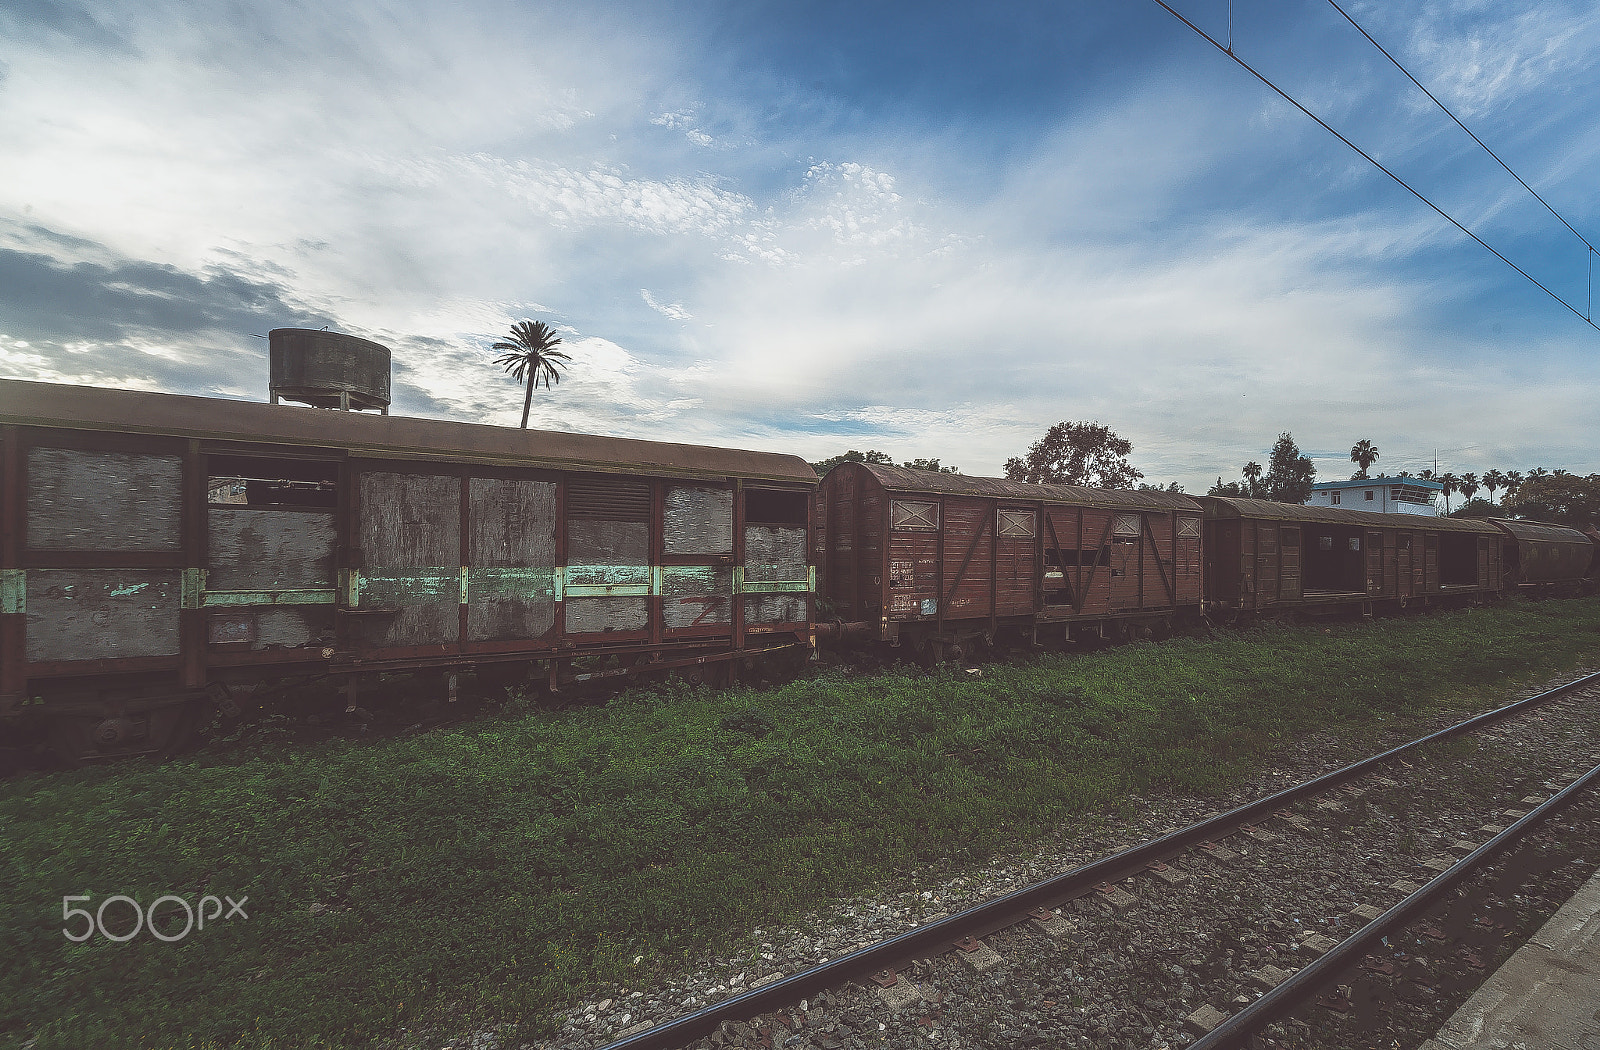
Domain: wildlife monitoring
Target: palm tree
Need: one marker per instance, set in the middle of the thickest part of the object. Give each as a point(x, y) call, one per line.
point(1513, 482)
point(1494, 480)
point(1450, 483)
point(530, 356)
point(1363, 455)
point(1252, 478)
point(1467, 484)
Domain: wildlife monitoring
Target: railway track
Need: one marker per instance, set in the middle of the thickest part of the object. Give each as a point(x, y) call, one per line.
point(1112, 952)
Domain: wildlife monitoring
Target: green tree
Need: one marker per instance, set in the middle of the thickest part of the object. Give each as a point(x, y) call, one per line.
point(1451, 483)
point(1077, 454)
point(1289, 474)
point(852, 456)
point(1467, 484)
point(874, 456)
point(1560, 499)
point(1513, 482)
point(930, 465)
point(1363, 455)
point(1252, 487)
point(1493, 480)
point(530, 355)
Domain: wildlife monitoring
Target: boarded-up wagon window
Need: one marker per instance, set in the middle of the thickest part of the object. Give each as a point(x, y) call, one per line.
point(102, 501)
point(1016, 523)
point(1126, 525)
point(608, 554)
point(698, 521)
point(1188, 526)
point(913, 514)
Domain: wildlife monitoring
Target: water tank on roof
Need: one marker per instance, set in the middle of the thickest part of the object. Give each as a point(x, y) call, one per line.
point(328, 369)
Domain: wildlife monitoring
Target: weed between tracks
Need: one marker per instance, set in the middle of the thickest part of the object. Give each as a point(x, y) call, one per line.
point(494, 871)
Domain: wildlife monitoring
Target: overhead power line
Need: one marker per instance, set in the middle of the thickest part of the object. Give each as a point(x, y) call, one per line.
point(1460, 125)
point(1225, 49)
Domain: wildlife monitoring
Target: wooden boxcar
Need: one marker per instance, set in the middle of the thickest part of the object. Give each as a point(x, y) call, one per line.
point(157, 549)
point(940, 559)
point(1539, 557)
point(1281, 557)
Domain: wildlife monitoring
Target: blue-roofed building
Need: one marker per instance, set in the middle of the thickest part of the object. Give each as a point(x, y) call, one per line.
point(1402, 495)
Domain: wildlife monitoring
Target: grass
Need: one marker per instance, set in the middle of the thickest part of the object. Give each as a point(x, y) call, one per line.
point(494, 872)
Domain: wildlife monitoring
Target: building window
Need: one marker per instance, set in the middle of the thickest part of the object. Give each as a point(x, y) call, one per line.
point(1369, 495)
point(1125, 525)
point(1335, 499)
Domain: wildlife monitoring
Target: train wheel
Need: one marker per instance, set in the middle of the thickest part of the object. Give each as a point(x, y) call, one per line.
point(78, 740)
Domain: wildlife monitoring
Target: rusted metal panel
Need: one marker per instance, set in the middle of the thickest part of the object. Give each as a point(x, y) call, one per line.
point(1547, 553)
point(775, 608)
point(511, 556)
point(1016, 562)
point(1374, 558)
point(271, 627)
point(698, 595)
point(968, 534)
point(102, 614)
point(608, 575)
point(1290, 551)
point(774, 554)
point(697, 520)
point(904, 480)
point(1227, 507)
point(913, 574)
point(602, 615)
point(139, 412)
point(411, 542)
point(269, 549)
point(103, 501)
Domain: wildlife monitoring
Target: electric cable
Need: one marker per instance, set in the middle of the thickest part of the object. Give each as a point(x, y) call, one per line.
point(1374, 162)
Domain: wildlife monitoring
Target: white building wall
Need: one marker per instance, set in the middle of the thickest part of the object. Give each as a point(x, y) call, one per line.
point(1354, 497)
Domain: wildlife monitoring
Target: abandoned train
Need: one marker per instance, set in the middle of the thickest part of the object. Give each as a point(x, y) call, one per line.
point(160, 554)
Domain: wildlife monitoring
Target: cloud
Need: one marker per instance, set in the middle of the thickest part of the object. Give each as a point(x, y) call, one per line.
point(674, 311)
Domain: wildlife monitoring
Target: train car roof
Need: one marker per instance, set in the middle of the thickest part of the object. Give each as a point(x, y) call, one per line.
point(1230, 507)
point(365, 433)
point(904, 479)
point(1540, 530)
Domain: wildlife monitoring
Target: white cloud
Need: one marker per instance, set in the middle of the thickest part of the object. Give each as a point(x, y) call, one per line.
point(673, 311)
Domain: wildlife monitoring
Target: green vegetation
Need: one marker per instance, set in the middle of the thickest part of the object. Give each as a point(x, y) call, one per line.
point(497, 871)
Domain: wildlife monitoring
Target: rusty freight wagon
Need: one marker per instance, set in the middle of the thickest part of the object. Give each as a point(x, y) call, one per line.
point(160, 550)
point(1536, 557)
point(1264, 557)
point(939, 560)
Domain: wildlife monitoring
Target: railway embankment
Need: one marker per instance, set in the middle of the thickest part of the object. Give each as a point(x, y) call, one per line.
point(559, 876)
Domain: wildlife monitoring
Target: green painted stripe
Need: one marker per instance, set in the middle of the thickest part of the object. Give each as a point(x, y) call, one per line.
point(13, 591)
point(286, 596)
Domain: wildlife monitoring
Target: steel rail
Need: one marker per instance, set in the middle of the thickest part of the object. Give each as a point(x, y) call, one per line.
point(1237, 1030)
point(983, 919)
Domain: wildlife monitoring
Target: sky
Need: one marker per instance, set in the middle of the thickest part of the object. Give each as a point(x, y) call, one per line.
point(929, 229)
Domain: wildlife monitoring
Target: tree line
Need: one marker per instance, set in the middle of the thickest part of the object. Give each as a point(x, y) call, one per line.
point(1093, 455)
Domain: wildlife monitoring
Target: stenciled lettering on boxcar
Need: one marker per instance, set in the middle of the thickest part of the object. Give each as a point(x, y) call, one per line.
point(411, 540)
point(102, 614)
point(511, 556)
point(103, 501)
